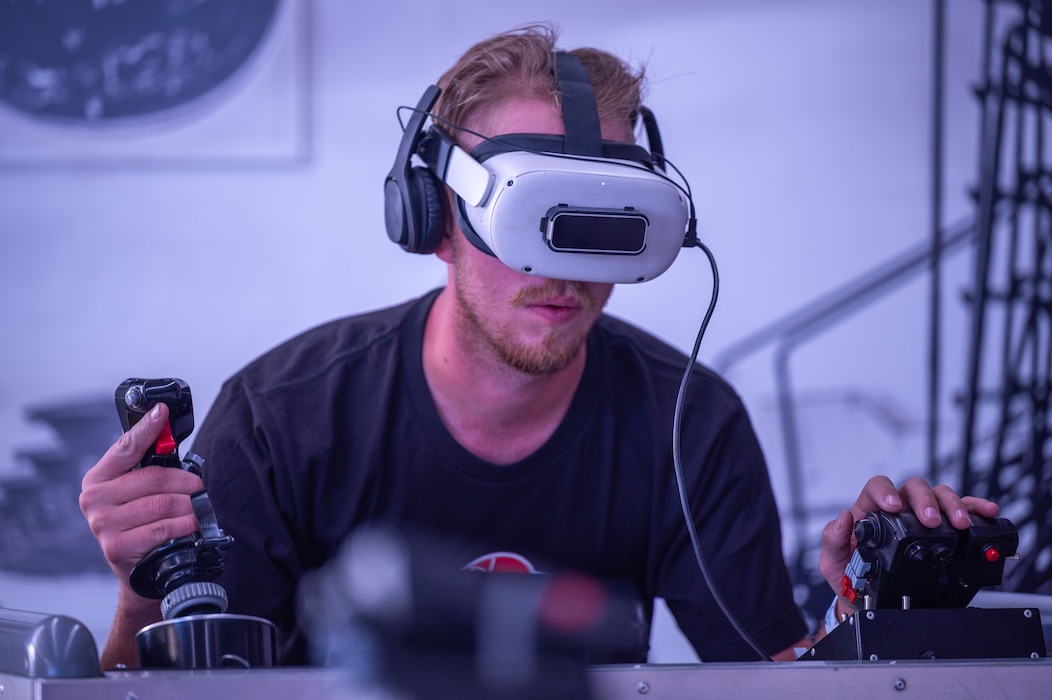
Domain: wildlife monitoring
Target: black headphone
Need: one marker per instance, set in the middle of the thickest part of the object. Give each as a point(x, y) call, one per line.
point(414, 197)
point(414, 209)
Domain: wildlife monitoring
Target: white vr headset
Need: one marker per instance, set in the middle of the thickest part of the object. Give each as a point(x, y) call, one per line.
point(565, 216)
point(573, 207)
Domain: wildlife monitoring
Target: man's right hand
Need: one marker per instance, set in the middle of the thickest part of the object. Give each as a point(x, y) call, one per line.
point(132, 511)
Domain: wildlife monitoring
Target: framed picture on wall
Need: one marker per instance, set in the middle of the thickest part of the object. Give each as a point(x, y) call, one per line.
point(158, 84)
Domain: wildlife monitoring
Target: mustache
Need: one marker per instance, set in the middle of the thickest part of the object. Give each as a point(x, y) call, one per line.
point(576, 292)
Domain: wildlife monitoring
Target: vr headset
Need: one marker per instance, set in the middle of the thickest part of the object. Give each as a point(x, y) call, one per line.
point(568, 207)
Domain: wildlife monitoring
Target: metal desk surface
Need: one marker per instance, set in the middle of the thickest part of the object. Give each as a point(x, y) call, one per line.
point(809, 679)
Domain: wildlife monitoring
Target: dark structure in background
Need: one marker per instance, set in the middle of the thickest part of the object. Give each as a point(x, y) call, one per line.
point(44, 530)
point(1006, 452)
point(90, 63)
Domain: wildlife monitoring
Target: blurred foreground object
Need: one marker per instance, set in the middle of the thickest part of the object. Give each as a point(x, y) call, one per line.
point(392, 611)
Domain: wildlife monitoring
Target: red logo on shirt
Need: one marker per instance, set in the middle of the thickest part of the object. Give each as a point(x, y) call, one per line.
point(502, 563)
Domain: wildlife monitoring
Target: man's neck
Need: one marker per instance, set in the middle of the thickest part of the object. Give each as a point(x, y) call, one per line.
point(496, 412)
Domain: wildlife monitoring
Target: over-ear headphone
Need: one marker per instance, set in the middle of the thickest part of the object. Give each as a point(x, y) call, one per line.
point(414, 196)
point(414, 208)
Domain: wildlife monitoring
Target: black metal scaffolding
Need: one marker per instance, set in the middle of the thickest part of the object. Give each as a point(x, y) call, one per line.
point(1006, 449)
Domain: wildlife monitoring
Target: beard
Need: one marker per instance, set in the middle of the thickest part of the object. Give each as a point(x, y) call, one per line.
point(556, 348)
point(484, 333)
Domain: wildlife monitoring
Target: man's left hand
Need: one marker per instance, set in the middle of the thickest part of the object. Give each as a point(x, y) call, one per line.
point(879, 493)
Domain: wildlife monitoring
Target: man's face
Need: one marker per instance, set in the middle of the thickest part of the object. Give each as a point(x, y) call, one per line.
point(531, 324)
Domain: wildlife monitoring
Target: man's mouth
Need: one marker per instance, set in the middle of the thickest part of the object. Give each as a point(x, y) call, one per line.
point(557, 301)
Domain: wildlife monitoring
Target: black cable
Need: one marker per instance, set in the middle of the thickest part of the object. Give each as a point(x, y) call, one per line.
point(677, 430)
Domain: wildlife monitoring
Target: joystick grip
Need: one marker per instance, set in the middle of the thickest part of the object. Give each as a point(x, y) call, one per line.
point(134, 398)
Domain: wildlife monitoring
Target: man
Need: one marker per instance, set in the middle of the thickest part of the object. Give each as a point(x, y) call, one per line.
point(504, 409)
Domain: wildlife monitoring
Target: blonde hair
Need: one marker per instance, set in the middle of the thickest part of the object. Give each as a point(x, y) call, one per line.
point(521, 63)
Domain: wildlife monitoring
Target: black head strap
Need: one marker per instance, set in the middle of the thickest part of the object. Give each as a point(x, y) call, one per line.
point(580, 114)
point(544, 143)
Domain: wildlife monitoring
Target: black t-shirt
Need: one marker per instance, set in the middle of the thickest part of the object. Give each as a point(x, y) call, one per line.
point(336, 428)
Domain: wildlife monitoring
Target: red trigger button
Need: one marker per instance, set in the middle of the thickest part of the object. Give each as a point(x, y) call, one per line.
point(165, 444)
point(847, 590)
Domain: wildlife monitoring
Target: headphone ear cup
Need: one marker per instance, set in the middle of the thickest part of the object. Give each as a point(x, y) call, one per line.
point(427, 207)
point(414, 212)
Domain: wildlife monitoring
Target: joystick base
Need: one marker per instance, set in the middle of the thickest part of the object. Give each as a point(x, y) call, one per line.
point(215, 640)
